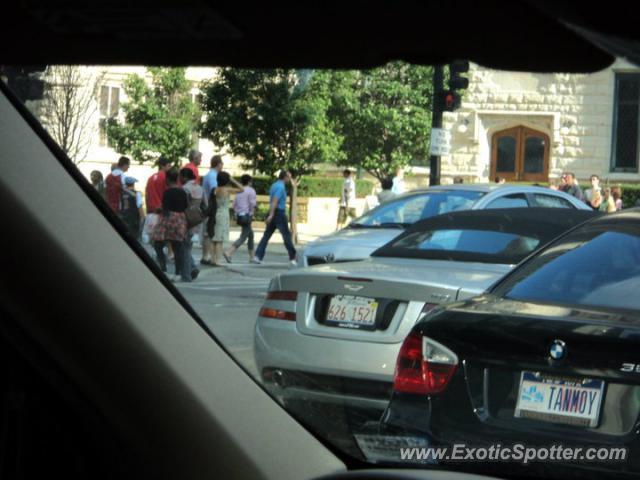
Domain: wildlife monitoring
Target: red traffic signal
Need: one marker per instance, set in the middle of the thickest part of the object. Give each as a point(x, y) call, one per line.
point(450, 101)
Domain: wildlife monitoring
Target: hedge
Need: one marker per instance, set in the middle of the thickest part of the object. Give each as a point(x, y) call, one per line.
point(315, 186)
point(630, 195)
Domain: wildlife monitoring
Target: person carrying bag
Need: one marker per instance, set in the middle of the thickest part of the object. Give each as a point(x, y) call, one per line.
point(244, 206)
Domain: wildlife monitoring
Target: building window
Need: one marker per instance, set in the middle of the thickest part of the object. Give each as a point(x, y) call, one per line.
point(626, 116)
point(109, 107)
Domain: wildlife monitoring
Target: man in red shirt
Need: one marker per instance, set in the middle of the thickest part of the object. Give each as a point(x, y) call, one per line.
point(195, 159)
point(156, 185)
point(114, 183)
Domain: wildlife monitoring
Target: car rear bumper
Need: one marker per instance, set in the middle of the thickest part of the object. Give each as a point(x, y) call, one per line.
point(321, 369)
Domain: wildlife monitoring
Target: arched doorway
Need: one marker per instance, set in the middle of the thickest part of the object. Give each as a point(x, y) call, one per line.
point(520, 154)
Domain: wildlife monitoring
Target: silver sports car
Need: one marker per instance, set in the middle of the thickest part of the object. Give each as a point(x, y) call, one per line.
point(387, 221)
point(331, 333)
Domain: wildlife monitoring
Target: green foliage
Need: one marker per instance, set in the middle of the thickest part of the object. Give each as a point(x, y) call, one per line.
point(315, 186)
point(630, 195)
point(274, 118)
point(384, 116)
point(159, 118)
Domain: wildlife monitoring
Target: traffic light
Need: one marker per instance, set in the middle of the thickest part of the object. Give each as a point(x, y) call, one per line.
point(450, 101)
point(452, 97)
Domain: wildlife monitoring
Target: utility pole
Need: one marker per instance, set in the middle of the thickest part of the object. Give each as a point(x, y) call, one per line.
point(436, 120)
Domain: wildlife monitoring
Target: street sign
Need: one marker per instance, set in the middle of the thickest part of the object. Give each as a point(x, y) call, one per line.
point(440, 142)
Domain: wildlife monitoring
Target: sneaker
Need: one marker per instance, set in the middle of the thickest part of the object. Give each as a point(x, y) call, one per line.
point(176, 278)
point(294, 263)
point(194, 274)
point(256, 260)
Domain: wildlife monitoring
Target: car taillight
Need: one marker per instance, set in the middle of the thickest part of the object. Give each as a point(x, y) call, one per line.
point(278, 313)
point(282, 295)
point(424, 366)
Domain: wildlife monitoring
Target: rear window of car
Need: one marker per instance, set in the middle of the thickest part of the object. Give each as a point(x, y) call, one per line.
point(408, 210)
point(500, 245)
point(591, 267)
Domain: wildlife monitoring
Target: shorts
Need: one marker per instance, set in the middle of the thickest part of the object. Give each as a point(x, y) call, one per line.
point(345, 212)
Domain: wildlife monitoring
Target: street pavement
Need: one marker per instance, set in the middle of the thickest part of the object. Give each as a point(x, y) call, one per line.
point(228, 298)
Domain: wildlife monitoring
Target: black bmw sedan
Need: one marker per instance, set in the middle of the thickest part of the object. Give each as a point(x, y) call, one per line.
point(549, 356)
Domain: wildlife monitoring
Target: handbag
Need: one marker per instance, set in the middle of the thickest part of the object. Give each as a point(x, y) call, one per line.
point(243, 220)
point(195, 213)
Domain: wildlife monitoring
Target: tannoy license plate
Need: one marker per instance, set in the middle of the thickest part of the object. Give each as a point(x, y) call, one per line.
point(559, 400)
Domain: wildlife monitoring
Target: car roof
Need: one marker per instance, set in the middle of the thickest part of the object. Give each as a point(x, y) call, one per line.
point(483, 187)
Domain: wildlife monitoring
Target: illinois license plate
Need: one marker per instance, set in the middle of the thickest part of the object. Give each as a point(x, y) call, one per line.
point(559, 400)
point(352, 312)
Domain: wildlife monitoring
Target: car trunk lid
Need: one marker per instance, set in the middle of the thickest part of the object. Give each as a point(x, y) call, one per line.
point(529, 366)
point(396, 289)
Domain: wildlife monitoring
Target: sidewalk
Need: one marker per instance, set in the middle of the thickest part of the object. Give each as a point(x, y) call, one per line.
point(276, 256)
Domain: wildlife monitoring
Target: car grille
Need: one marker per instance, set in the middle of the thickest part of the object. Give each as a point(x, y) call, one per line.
point(328, 383)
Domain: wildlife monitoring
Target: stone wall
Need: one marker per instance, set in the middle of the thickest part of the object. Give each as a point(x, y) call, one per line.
point(575, 111)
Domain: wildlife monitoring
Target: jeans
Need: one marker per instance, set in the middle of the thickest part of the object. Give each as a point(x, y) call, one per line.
point(245, 234)
point(189, 263)
point(280, 223)
point(182, 261)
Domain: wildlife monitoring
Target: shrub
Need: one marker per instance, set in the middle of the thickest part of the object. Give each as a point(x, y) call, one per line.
point(315, 186)
point(630, 195)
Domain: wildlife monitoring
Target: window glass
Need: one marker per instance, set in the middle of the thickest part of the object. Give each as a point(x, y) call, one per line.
point(534, 154)
point(235, 260)
point(509, 201)
point(589, 268)
point(473, 241)
point(627, 105)
point(506, 160)
point(411, 209)
point(550, 201)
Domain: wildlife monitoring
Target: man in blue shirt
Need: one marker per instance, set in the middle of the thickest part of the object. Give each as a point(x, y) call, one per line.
point(209, 184)
point(277, 219)
point(210, 180)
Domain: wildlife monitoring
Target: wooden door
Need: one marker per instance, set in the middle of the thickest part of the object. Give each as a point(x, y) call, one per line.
point(520, 154)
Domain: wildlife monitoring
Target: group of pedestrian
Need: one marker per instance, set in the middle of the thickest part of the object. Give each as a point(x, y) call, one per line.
point(180, 206)
point(118, 190)
point(607, 199)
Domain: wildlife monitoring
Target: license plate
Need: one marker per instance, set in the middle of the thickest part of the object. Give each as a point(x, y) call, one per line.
point(559, 400)
point(352, 312)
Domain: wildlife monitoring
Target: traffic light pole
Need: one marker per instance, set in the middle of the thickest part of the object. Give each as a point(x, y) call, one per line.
point(436, 120)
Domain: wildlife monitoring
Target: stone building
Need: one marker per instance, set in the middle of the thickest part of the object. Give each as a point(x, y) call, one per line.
point(531, 127)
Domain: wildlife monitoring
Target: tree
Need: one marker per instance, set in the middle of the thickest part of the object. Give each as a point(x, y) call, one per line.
point(160, 117)
point(67, 107)
point(384, 116)
point(276, 119)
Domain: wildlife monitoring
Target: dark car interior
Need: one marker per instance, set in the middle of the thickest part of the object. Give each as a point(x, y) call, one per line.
point(96, 385)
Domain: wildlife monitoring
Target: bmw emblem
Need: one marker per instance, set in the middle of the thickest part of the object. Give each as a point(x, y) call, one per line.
point(558, 350)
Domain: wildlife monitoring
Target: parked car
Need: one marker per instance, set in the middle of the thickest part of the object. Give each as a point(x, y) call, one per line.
point(387, 221)
point(331, 333)
point(550, 354)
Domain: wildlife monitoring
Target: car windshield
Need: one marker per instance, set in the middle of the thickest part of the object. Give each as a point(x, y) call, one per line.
point(410, 209)
point(607, 277)
point(230, 180)
point(456, 244)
